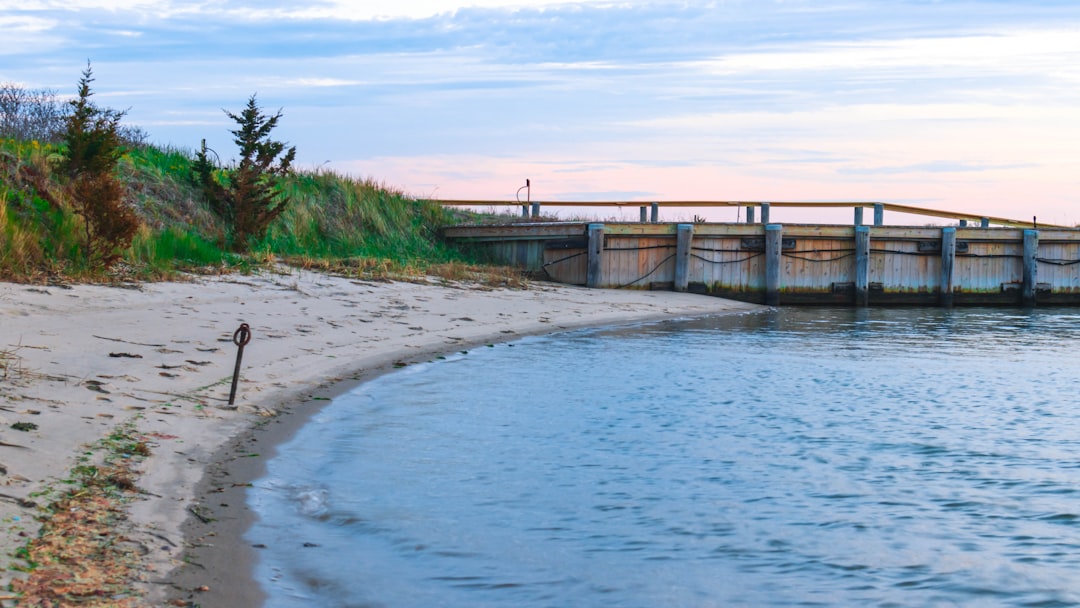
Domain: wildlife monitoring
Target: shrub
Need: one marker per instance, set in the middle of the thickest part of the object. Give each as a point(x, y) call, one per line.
point(30, 115)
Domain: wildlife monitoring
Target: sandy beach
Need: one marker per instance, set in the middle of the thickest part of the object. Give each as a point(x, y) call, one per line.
point(82, 360)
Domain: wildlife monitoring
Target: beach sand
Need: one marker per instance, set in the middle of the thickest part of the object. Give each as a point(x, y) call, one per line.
point(81, 361)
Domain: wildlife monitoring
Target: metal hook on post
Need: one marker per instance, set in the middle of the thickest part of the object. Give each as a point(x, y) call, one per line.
point(528, 198)
point(240, 338)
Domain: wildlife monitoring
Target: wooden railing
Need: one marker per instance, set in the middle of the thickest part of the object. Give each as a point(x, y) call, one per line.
point(532, 209)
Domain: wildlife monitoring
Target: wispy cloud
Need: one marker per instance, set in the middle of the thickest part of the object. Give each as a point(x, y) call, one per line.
point(834, 97)
point(935, 167)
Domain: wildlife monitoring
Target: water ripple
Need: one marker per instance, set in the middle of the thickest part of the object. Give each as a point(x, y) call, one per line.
point(809, 457)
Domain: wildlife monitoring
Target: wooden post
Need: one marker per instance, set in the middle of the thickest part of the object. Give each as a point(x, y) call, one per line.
point(684, 242)
point(879, 214)
point(644, 214)
point(536, 210)
point(1031, 266)
point(948, 259)
point(749, 215)
point(524, 211)
point(774, 243)
point(594, 271)
point(858, 216)
point(985, 223)
point(656, 213)
point(963, 223)
point(764, 213)
point(862, 265)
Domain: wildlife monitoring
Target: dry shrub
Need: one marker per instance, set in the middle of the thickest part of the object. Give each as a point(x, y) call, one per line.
point(10, 365)
point(80, 557)
point(358, 267)
point(488, 276)
point(109, 224)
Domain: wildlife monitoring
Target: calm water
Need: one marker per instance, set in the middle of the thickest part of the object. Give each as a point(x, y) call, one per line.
point(905, 457)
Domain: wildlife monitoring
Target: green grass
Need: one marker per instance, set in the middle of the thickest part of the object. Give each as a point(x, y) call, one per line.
point(335, 218)
point(332, 221)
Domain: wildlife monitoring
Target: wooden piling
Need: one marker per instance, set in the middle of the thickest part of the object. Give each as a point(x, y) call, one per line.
point(862, 264)
point(774, 242)
point(858, 216)
point(764, 213)
point(1031, 267)
point(879, 214)
point(656, 213)
point(535, 210)
point(749, 215)
point(644, 214)
point(593, 274)
point(948, 259)
point(683, 246)
point(900, 265)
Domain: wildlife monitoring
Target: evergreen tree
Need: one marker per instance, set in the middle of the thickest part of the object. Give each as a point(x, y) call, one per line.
point(93, 150)
point(249, 199)
point(92, 134)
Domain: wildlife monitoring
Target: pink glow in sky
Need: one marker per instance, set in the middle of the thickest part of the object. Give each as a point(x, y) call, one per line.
point(965, 106)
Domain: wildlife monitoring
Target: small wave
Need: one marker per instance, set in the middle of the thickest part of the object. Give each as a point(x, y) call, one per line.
point(312, 502)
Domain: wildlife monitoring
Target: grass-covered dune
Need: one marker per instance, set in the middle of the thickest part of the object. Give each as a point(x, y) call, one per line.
point(330, 221)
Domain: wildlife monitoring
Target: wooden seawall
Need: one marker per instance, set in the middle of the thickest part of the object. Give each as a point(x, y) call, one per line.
point(799, 263)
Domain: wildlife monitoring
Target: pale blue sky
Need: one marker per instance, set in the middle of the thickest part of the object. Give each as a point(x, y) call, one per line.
point(967, 105)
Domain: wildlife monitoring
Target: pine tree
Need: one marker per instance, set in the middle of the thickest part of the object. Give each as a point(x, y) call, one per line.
point(250, 198)
point(93, 151)
point(92, 134)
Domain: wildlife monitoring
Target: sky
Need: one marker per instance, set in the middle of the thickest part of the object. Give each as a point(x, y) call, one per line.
point(971, 106)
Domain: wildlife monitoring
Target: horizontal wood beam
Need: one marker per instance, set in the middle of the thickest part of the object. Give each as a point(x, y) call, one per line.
point(896, 208)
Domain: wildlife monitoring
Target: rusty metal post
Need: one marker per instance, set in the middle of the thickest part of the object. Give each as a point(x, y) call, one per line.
point(240, 339)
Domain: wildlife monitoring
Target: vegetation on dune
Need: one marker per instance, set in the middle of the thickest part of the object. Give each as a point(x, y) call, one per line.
point(248, 198)
point(84, 197)
point(92, 151)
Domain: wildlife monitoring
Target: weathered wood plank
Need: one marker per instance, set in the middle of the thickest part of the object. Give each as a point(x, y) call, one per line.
point(907, 209)
point(948, 259)
point(809, 263)
point(862, 266)
point(774, 234)
point(682, 256)
point(594, 276)
point(1031, 267)
point(523, 230)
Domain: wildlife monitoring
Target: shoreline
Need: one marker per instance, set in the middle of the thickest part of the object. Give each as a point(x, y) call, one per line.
point(86, 359)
